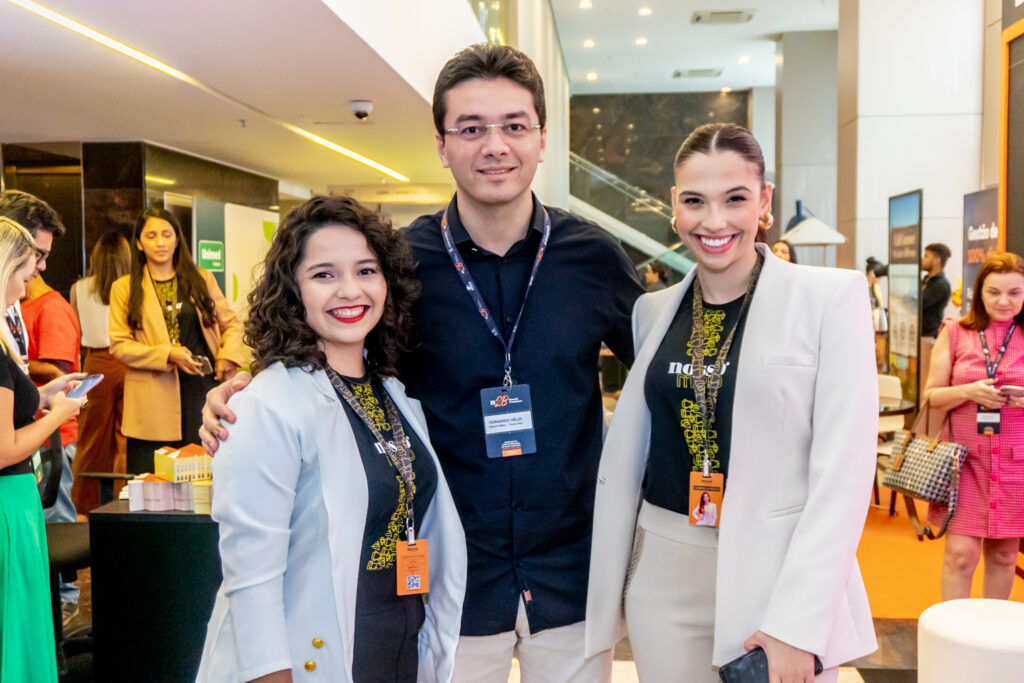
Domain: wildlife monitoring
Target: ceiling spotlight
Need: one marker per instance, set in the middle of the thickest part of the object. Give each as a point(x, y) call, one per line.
point(630, 126)
point(586, 4)
point(744, 59)
point(726, 89)
point(641, 41)
point(592, 76)
point(596, 110)
point(599, 126)
point(588, 43)
point(645, 12)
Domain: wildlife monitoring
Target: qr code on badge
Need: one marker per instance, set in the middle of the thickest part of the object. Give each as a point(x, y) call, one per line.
point(412, 582)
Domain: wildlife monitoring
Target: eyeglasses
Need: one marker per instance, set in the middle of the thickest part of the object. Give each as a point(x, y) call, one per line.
point(41, 254)
point(513, 130)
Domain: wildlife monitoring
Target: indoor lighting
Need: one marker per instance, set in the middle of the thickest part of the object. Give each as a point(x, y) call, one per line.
point(645, 12)
point(744, 59)
point(585, 4)
point(592, 76)
point(154, 63)
point(630, 126)
point(641, 41)
point(274, 207)
point(162, 181)
point(596, 110)
point(726, 89)
point(588, 43)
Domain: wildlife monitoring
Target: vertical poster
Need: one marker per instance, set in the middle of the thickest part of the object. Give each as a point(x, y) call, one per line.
point(981, 237)
point(905, 289)
point(207, 233)
point(247, 236)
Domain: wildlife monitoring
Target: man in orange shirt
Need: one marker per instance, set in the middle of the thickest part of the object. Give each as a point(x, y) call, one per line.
point(53, 350)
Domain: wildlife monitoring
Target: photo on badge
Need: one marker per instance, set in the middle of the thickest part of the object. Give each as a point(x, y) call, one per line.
point(706, 498)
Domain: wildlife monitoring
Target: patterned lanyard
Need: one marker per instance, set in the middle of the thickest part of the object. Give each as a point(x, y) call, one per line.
point(17, 329)
point(705, 386)
point(167, 295)
point(398, 456)
point(478, 300)
point(990, 365)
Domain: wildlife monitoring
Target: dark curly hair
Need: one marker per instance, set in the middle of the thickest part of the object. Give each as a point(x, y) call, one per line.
point(277, 329)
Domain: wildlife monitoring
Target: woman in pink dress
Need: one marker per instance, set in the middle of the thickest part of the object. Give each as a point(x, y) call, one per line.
point(977, 366)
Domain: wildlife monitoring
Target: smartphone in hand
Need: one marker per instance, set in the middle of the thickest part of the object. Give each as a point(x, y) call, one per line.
point(1011, 390)
point(84, 386)
point(204, 362)
point(753, 668)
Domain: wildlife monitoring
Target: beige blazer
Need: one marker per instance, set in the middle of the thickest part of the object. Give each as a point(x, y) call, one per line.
point(802, 459)
point(152, 406)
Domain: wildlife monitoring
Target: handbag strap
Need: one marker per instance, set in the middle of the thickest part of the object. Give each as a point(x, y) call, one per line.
point(925, 414)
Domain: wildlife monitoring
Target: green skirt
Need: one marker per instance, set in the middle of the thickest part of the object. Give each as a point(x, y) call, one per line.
point(26, 624)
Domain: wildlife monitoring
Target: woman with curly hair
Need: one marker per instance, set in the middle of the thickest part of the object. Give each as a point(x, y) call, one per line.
point(330, 500)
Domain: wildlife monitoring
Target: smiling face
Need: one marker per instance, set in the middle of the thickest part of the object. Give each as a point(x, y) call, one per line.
point(157, 240)
point(495, 169)
point(15, 288)
point(1002, 295)
point(717, 200)
point(343, 291)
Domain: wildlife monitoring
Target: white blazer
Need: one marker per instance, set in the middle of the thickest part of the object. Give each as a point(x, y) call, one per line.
point(290, 495)
point(800, 469)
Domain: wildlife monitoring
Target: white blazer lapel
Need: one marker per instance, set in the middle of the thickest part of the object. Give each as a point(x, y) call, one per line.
point(343, 482)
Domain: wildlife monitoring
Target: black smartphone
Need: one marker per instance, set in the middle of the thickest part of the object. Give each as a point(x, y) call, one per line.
point(204, 362)
point(753, 668)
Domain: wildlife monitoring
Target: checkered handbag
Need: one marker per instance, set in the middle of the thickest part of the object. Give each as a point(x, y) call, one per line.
point(925, 467)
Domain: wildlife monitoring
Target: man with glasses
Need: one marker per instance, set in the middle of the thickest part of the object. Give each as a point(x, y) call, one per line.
point(40, 219)
point(499, 323)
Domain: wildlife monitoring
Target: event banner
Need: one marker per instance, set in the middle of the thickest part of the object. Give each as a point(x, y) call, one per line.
point(904, 289)
point(981, 237)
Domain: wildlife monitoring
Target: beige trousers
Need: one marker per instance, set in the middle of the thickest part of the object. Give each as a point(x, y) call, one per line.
point(670, 600)
point(551, 656)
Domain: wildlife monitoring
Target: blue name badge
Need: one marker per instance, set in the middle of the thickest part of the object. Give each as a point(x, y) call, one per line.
point(508, 421)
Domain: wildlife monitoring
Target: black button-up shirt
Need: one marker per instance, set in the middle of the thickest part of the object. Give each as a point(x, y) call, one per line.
point(934, 296)
point(527, 518)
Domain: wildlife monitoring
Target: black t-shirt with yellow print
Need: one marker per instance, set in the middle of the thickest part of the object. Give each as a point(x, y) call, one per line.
point(677, 432)
point(387, 625)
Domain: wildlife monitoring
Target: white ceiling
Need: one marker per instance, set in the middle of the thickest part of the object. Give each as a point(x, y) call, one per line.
point(674, 43)
point(296, 61)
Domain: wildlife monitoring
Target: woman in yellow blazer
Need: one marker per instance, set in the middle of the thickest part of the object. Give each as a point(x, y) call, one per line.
point(173, 328)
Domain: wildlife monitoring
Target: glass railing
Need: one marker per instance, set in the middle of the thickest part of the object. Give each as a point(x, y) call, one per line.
point(629, 204)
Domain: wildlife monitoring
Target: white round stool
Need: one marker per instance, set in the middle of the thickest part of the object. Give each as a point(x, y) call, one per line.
point(971, 640)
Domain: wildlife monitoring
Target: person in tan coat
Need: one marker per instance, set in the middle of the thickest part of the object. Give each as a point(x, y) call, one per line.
point(173, 328)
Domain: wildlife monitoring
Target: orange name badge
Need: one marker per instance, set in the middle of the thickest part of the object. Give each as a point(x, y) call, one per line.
point(706, 498)
point(413, 567)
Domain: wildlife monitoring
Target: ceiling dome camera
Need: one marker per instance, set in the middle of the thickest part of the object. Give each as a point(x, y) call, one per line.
point(361, 108)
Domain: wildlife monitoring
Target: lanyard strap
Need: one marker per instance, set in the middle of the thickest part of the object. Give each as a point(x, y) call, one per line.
point(478, 300)
point(398, 456)
point(990, 365)
point(706, 385)
point(17, 328)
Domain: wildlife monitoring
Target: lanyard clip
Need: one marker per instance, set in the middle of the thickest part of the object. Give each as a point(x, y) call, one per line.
point(507, 380)
point(707, 465)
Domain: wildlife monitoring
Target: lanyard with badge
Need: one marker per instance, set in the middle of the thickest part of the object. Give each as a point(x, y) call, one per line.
point(411, 557)
point(706, 384)
point(988, 418)
point(507, 410)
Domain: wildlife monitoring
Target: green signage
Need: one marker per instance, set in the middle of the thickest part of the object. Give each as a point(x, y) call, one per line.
point(211, 255)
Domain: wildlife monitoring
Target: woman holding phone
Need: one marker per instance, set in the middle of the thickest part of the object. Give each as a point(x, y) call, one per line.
point(753, 377)
point(26, 622)
point(977, 374)
point(328, 480)
point(169, 323)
